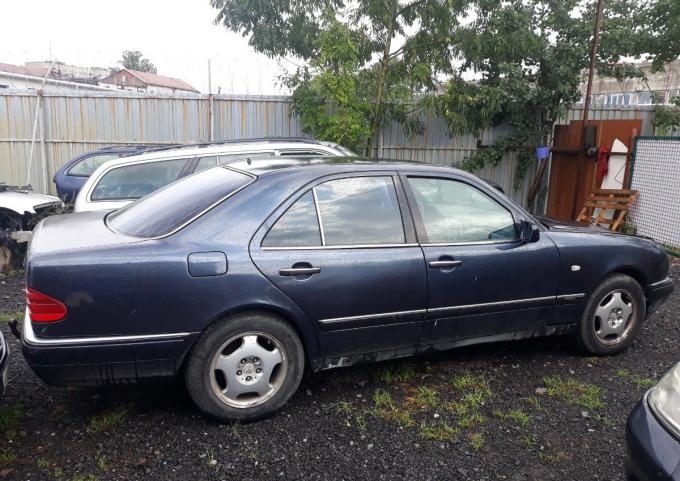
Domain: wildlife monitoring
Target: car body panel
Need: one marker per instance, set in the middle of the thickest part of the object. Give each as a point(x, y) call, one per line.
point(68, 185)
point(115, 286)
point(653, 452)
point(84, 199)
point(24, 202)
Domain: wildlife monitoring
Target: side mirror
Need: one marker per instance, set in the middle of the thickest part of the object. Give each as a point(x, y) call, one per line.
point(529, 232)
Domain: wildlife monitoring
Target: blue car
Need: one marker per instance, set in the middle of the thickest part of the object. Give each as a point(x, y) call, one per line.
point(73, 174)
point(239, 277)
point(653, 433)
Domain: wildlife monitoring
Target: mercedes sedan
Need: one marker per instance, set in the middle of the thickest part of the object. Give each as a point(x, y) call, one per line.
point(239, 277)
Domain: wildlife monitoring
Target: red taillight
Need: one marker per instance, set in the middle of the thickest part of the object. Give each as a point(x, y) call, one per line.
point(43, 308)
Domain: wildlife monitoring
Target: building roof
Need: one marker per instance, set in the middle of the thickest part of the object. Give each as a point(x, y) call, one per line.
point(154, 79)
point(21, 70)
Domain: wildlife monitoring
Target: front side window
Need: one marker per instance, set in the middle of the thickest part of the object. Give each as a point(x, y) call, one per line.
point(455, 212)
point(136, 181)
point(205, 163)
point(87, 166)
point(343, 212)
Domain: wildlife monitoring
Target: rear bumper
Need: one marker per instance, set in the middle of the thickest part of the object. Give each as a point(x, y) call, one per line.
point(104, 360)
point(653, 453)
point(657, 294)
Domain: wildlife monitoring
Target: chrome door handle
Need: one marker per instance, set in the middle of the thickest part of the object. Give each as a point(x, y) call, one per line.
point(440, 264)
point(300, 271)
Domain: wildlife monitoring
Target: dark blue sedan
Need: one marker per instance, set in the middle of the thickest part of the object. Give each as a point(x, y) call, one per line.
point(73, 174)
point(240, 277)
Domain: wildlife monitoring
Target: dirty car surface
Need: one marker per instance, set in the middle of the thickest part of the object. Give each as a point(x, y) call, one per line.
point(242, 276)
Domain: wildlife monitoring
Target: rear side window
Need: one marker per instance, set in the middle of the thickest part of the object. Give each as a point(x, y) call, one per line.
point(136, 181)
point(171, 207)
point(343, 212)
point(298, 227)
point(87, 166)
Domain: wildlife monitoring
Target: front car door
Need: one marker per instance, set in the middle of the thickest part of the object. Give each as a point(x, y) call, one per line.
point(483, 280)
point(344, 250)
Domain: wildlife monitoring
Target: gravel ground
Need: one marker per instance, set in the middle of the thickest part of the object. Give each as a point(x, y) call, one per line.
point(526, 410)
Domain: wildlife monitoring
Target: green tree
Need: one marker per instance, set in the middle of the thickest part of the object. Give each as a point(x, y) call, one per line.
point(528, 59)
point(389, 51)
point(134, 60)
point(667, 119)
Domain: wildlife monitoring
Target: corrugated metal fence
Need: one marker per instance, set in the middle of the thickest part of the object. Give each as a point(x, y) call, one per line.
point(69, 124)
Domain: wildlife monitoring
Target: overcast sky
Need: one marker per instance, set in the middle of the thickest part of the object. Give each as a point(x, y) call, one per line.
point(178, 36)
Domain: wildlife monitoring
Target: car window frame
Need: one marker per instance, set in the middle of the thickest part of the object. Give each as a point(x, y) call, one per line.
point(419, 224)
point(84, 158)
point(188, 161)
point(281, 209)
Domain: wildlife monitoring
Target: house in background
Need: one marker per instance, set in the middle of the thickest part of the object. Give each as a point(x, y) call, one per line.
point(658, 88)
point(32, 76)
point(133, 80)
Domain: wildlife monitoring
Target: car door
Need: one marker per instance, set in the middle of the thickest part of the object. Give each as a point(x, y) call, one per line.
point(482, 279)
point(344, 250)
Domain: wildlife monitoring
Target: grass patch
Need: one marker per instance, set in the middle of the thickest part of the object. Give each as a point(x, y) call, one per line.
point(19, 316)
point(425, 397)
point(517, 416)
point(7, 456)
point(476, 441)
point(109, 419)
point(558, 457)
point(439, 432)
point(574, 392)
point(639, 381)
point(84, 477)
point(11, 418)
point(386, 408)
point(458, 408)
point(401, 373)
point(470, 420)
point(529, 440)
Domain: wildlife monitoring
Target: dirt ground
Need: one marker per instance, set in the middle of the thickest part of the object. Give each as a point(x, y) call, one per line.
point(528, 410)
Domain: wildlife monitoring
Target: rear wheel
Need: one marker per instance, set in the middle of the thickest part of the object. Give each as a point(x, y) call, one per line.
point(613, 316)
point(245, 367)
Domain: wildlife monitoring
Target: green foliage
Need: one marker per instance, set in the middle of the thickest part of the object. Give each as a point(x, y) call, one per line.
point(134, 60)
point(439, 432)
point(574, 392)
point(108, 420)
point(667, 119)
point(11, 418)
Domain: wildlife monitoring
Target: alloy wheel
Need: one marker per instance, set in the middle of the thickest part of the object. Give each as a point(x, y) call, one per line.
point(615, 317)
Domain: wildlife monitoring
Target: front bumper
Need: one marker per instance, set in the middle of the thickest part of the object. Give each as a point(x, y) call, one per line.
point(4, 363)
point(653, 452)
point(657, 294)
point(105, 360)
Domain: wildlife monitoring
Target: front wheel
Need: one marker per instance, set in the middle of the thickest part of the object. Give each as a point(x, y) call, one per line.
point(245, 367)
point(613, 316)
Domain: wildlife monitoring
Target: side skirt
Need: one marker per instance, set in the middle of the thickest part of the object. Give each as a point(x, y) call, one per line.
point(344, 361)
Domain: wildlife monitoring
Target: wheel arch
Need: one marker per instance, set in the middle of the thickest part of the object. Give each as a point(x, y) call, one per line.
point(307, 336)
point(631, 271)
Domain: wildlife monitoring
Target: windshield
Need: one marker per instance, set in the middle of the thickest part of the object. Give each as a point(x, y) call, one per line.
point(169, 208)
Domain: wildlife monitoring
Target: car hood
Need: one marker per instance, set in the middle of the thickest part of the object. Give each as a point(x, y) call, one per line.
point(22, 201)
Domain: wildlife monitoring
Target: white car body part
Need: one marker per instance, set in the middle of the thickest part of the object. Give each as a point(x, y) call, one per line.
point(231, 150)
point(22, 202)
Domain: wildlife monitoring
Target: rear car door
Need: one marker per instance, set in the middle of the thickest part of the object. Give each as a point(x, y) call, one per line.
point(344, 250)
point(483, 280)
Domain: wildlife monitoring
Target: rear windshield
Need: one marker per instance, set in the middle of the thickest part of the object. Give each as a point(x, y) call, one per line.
point(167, 209)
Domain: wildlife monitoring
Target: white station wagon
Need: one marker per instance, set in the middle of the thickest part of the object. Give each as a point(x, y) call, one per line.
point(119, 182)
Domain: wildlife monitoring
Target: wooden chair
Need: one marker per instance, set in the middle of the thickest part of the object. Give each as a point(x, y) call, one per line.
point(620, 200)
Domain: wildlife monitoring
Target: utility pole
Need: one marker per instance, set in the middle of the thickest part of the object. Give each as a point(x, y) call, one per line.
point(593, 62)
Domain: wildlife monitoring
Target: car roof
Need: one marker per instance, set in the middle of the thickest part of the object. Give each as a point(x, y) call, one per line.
point(222, 147)
point(333, 164)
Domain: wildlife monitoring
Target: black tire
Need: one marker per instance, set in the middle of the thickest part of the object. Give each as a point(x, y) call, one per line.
point(199, 370)
point(587, 336)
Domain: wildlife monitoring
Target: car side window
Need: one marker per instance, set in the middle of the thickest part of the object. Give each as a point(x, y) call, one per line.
point(297, 227)
point(137, 180)
point(88, 165)
point(456, 212)
point(359, 211)
point(205, 163)
point(226, 158)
